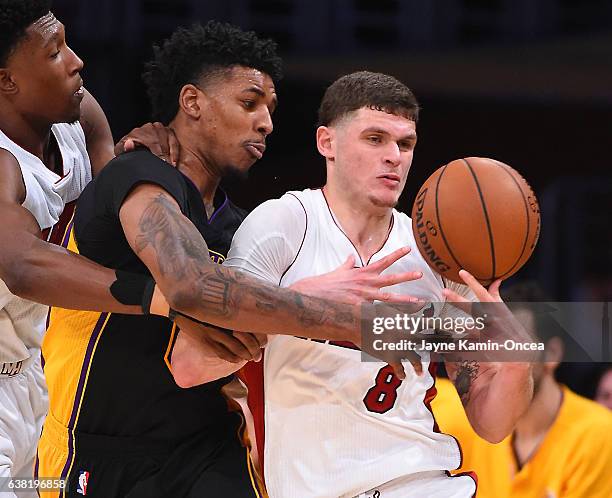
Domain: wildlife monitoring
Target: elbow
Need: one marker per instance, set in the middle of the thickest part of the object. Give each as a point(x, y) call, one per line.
point(16, 276)
point(494, 435)
point(188, 374)
point(184, 380)
point(184, 376)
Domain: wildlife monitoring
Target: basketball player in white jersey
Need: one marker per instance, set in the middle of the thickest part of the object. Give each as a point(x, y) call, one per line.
point(332, 425)
point(53, 137)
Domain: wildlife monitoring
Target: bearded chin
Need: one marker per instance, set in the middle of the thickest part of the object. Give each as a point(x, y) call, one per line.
point(234, 174)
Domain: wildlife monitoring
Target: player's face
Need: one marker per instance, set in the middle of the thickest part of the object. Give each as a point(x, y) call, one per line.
point(238, 119)
point(373, 154)
point(46, 74)
point(604, 390)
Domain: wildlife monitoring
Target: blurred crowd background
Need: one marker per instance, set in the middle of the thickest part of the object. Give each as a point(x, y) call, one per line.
point(528, 82)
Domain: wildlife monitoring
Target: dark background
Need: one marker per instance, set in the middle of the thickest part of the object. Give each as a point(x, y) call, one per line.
point(528, 82)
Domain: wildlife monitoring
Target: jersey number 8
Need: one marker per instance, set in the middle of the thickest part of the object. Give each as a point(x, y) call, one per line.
point(381, 397)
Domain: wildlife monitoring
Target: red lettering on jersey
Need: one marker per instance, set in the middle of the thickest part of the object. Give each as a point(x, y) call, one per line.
point(381, 397)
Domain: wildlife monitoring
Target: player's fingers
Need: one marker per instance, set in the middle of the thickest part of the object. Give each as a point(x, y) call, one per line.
point(262, 339)
point(154, 147)
point(396, 278)
point(481, 293)
point(175, 147)
point(398, 369)
point(162, 136)
point(457, 301)
point(415, 361)
point(348, 264)
point(494, 289)
point(388, 260)
point(120, 147)
point(128, 145)
point(250, 343)
point(233, 345)
point(392, 297)
point(223, 353)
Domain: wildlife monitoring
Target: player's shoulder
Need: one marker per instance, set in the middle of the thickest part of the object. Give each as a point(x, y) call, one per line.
point(109, 189)
point(585, 422)
point(8, 161)
point(290, 206)
point(403, 222)
point(11, 181)
point(141, 165)
point(138, 157)
point(275, 219)
point(587, 414)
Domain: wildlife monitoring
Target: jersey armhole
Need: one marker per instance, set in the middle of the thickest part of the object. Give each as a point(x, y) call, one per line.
point(301, 243)
point(23, 182)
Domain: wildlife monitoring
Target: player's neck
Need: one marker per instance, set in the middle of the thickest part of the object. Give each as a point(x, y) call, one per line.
point(542, 411)
point(33, 137)
point(367, 230)
point(196, 168)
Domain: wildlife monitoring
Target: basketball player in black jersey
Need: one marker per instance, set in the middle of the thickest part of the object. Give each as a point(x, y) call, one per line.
point(119, 424)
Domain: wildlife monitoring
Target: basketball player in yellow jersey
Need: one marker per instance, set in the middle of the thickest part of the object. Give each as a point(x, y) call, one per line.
point(560, 448)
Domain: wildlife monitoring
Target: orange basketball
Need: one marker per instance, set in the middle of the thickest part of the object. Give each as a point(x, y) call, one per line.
point(477, 214)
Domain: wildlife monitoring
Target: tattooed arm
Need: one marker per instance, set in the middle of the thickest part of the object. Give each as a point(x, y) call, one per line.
point(177, 256)
point(494, 394)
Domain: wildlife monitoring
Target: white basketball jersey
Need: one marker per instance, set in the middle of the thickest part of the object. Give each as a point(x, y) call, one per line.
point(333, 424)
point(50, 198)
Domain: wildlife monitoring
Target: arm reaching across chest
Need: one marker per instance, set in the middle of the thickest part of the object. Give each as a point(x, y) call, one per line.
point(494, 394)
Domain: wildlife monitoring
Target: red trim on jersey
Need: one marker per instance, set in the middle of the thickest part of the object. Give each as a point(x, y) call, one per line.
point(474, 478)
point(343, 344)
point(252, 374)
point(56, 233)
point(431, 393)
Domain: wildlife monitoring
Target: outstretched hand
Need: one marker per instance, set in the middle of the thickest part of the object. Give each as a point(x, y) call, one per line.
point(156, 137)
point(351, 285)
point(490, 295)
point(499, 324)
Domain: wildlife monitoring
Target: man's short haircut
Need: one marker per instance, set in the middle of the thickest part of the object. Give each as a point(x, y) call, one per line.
point(530, 296)
point(366, 89)
point(196, 54)
point(15, 17)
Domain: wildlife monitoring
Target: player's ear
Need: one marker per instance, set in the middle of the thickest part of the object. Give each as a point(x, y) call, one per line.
point(7, 83)
point(554, 351)
point(325, 142)
point(189, 101)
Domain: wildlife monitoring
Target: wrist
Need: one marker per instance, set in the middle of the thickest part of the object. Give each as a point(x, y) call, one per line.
point(159, 305)
point(134, 289)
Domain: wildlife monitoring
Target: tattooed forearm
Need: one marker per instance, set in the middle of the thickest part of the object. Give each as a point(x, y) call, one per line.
point(179, 246)
point(467, 371)
point(224, 291)
point(225, 296)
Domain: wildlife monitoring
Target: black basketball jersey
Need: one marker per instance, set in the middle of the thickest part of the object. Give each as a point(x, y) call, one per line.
point(117, 380)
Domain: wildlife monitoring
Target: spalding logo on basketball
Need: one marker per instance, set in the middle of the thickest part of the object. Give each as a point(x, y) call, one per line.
point(477, 214)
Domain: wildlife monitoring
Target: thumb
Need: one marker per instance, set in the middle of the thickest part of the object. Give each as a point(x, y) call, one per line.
point(128, 145)
point(494, 289)
point(349, 263)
